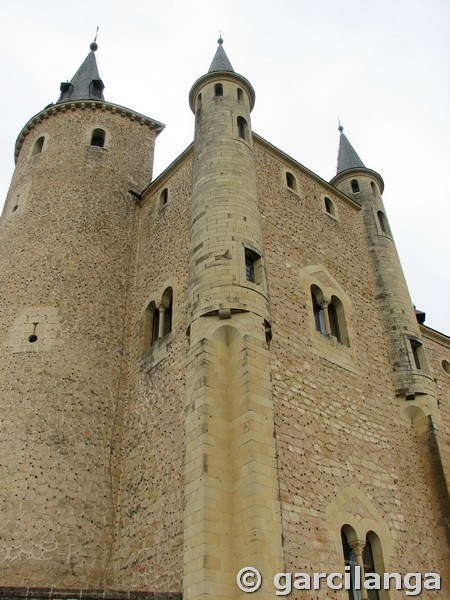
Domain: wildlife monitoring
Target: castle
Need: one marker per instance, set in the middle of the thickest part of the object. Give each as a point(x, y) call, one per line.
point(215, 369)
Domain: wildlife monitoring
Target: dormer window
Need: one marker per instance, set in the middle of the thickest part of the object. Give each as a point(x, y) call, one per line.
point(96, 88)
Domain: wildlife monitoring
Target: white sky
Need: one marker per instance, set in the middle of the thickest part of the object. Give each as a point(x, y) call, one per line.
point(381, 66)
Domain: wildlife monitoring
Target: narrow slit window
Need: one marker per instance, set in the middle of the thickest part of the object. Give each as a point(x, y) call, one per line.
point(319, 314)
point(249, 268)
point(253, 267)
point(167, 301)
point(329, 206)
point(163, 198)
point(416, 349)
point(155, 326)
point(355, 186)
point(383, 222)
point(242, 128)
point(240, 95)
point(334, 322)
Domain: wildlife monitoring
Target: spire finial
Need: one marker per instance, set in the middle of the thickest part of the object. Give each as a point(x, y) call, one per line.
point(94, 44)
point(340, 128)
point(220, 40)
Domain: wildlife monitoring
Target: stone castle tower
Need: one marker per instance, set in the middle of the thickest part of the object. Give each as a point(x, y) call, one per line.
point(214, 369)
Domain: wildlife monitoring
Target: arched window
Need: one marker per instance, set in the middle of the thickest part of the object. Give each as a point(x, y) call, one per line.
point(351, 564)
point(338, 326)
point(374, 188)
point(319, 313)
point(369, 567)
point(199, 104)
point(383, 222)
point(355, 186)
point(329, 207)
point(291, 181)
point(242, 128)
point(38, 145)
point(218, 89)
point(240, 95)
point(167, 304)
point(151, 325)
point(98, 138)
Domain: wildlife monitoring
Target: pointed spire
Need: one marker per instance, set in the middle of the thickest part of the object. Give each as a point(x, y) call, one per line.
point(347, 156)
point(220, 61)
point(86, 83)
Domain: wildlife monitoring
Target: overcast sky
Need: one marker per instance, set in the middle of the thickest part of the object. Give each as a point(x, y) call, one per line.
point(381, 66)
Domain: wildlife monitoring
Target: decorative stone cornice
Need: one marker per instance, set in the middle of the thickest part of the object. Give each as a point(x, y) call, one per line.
point(101, 105)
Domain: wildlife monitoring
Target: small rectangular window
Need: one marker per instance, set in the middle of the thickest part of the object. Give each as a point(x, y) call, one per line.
point(249, 268)
point(416, 348)
point(253, 267)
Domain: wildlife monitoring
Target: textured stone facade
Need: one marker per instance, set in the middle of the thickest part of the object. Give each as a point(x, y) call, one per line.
point(219, 369)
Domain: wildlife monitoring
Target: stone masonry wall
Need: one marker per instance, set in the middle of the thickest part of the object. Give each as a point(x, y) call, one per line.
point(339, 431)
point(64, 259)
point(149, 545)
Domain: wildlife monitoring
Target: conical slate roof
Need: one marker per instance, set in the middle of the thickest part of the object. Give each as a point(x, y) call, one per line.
point(347, 156)
point(220, 61)
point(86, 83)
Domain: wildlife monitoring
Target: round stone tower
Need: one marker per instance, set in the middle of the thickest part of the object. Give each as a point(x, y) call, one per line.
point(232, 512)
point(412, 378)
point(65, 254)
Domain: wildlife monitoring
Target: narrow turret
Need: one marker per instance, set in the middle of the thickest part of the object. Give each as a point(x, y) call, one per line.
point(410, 369)
point(232, 514)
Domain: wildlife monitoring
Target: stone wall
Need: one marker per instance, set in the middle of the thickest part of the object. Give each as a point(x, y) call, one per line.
point(64, 262)
point(344, 449)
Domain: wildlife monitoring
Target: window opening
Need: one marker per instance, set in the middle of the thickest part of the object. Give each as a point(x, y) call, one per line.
point(334, 322)
point(249, 267)
point(369, 567)
point(242, 127)
point(163, 198)
point(98, 138)
point(355, 186)
point(329, 206)
point(38, 146)
point(155, 326)
point(290, 181)
point(319, 315)
point(167, 323)
point(240, 95)
point(416, 348)
point(351, 562)
point(382, 221)
point(218, 89)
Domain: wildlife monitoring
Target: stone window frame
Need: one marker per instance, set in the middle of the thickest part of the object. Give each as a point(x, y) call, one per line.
point(326, 345)
point(359, 547)
point(329, 208)
point(329, 315)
